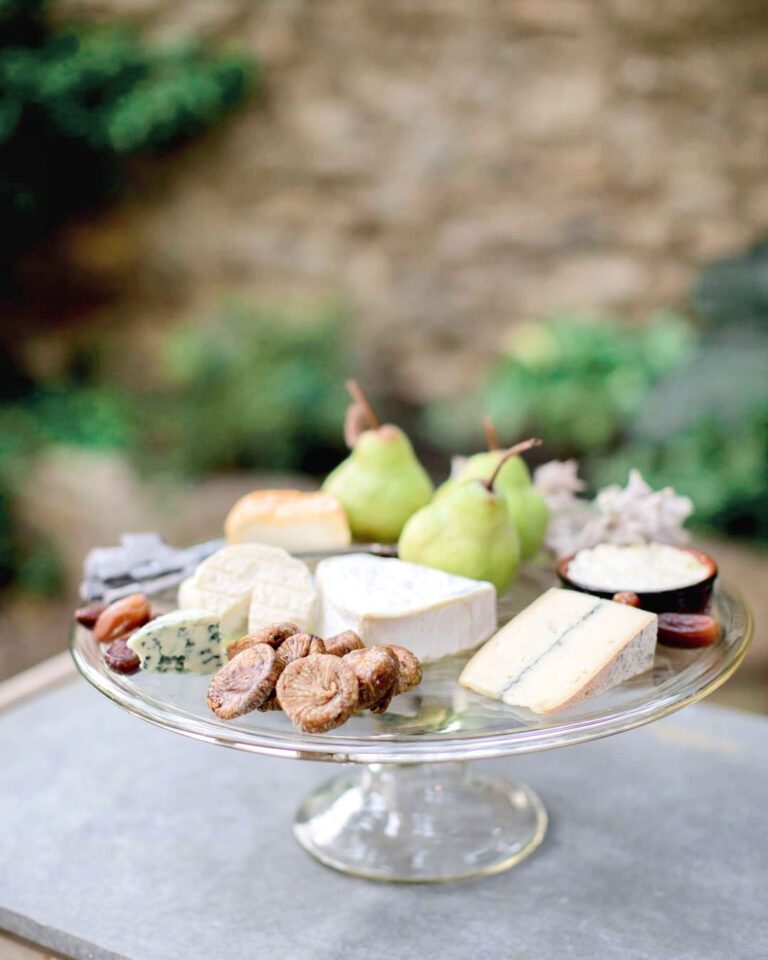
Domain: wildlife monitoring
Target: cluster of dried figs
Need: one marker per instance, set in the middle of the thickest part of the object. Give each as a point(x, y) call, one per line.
point(318, 683)
point(113, 624)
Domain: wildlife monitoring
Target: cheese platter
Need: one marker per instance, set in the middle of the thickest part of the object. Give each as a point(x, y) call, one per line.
point(450, 642)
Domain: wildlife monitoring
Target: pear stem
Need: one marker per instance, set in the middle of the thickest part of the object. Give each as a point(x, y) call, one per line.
point(358, 395)
point(491, 437)
point(512, 452)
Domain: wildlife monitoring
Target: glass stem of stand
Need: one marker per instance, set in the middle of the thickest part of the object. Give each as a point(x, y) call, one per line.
point(420, 823)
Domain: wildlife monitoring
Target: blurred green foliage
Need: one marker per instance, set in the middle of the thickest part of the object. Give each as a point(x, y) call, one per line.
point(252, 389)
point(575, 380)
point(245, 388)
point(67, 413)
point(704, 430)
point(77, 103)
point(734, 290)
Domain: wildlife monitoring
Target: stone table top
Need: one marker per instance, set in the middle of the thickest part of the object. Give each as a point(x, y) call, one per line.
point(120, 840)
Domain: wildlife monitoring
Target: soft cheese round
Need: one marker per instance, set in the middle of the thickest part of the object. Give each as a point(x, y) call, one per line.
point(642, 568)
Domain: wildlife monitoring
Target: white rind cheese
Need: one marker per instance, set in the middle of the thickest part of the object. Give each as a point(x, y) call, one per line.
point(563, 648)
point(250, 585)
point(432, 613)
point(185, 641)
point(283, 590)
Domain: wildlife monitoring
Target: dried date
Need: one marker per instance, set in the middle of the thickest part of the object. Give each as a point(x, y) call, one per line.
point(122, 617)
point(87, 616)
point(119, 657)
point(687, 630)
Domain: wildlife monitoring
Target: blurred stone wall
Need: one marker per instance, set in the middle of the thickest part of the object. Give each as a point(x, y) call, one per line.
point(446, 167)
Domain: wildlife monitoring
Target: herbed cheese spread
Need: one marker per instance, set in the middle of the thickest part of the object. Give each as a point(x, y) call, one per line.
point(642, 568)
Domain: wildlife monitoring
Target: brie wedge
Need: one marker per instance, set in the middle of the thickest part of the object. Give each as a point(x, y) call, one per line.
point(250, 585)
point(432, 613)
point(563, 648)
point(179, 642)
point(291, 519)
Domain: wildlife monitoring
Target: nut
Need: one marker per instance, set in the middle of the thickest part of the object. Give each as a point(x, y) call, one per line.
point(318, 692)
point(244, 683)
point(122, 617)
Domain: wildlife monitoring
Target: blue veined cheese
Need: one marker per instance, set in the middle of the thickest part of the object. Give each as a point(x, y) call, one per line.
point(185, 641)
point(432, 613)
point(563, 648)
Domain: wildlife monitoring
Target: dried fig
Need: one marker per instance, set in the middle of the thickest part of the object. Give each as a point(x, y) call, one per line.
point(87, 616)
point(318, 692)
point(271, 703)
point(298, 646)
point(343, 643)
point(244, 683)
point(410, 669)
point(377, 671)
point(122, 617)
point(273, 635)
point(119, 657)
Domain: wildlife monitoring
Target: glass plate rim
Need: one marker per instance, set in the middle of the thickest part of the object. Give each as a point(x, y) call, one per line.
point(423, 749)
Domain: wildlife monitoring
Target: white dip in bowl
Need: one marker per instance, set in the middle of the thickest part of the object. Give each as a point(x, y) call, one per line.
point(642, 568)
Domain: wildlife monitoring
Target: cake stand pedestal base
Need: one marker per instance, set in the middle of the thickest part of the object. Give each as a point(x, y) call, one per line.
point(420, 823)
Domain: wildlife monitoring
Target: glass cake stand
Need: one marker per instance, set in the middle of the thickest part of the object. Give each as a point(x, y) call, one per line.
point(414, 811)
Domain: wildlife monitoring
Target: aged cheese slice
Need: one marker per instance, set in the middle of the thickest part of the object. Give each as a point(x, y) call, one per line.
point(249, 585)
point(432, 613)
point(565, 647)
point(179, 642)
point(291, 519)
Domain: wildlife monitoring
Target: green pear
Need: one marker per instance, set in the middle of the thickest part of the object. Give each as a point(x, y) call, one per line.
point(526, 505)
point(467, 531)
point(514, 473)
point(530, 515)
point(380, 484)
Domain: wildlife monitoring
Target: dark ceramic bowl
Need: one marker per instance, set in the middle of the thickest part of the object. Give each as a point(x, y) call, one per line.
point(691, 599)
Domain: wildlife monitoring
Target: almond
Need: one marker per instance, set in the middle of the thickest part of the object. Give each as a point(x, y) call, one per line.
point(122, 617)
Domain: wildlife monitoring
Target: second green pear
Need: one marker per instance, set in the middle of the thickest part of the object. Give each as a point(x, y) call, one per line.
point(380, 484)
point(526, 505)
point(530, 515)
point(468, 531)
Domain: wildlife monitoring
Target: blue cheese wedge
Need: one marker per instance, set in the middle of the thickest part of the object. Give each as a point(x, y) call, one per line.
point(432, 613)
point(185, 641)
point(250, 585)
point(563, 648)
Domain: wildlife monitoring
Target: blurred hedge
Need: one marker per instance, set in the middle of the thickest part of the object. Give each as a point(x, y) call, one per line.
point(77, 103)
point(244, 388)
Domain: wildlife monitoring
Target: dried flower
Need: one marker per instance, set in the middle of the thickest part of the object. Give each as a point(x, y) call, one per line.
point(622, 515)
